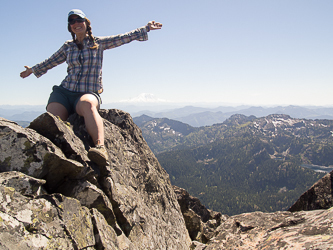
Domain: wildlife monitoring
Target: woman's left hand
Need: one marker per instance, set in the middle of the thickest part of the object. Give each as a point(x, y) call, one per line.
point(152, 25)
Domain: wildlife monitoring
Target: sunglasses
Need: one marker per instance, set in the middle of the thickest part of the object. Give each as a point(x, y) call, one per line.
point(73, 21)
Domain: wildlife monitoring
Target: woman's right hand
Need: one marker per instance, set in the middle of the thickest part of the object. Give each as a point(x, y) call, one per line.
point(26, 73)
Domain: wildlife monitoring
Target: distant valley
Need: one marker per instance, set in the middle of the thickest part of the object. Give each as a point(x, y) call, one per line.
point(245, 163)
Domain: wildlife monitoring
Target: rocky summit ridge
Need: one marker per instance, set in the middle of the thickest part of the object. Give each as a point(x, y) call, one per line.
point(53, 197)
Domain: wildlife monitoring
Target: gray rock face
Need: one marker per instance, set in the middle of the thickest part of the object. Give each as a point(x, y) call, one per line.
point(138, 187)
point(24, 184)
point(319, 196)
point(258, 230)
point(127, 205)
point(47, 222)
point(26, 151)
point(201, 222)
point(279, 230)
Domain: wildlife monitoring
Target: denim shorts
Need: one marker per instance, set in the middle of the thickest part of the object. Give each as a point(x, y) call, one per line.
point(68, 98)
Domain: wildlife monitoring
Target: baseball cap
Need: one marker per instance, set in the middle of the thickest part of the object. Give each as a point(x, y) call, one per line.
point(76, 12)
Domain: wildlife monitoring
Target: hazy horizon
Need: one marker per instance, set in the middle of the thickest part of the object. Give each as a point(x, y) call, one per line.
point(154, 102)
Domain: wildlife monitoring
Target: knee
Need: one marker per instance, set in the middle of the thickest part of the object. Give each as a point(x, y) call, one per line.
point(86, 107)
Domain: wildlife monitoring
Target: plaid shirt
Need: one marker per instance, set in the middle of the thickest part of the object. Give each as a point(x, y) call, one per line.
point(85, 66)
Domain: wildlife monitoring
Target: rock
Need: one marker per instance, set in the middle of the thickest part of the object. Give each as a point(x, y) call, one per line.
point(49, 222)
point(91, 196)
point(106, 237)
point(138, 187)
point(62, 135)
point(258, 230)
point(319, 196)
point(193, 225)
point(279, 230)
point(28, 152)
point(196, 245)
point(201, 222)
point(129, 204)
point(24, 184)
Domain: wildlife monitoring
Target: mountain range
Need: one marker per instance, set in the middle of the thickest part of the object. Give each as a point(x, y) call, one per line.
point(245, 163)
point(198, 116)
point(195, 116)
point(25, 113)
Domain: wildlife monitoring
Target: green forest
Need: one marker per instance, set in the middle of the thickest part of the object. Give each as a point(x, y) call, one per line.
point(246, 163)
point(237, 175)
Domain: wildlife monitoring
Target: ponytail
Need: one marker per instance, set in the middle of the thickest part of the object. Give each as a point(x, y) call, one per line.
point(92, 38)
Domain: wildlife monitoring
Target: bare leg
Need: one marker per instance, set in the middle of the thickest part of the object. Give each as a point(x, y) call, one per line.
point(58, 109)
point(87, 107)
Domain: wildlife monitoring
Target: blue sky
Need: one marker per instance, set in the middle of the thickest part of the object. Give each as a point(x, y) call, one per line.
point(255, 52)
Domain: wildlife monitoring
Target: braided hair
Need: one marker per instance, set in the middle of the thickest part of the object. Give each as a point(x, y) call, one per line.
point(91, 37)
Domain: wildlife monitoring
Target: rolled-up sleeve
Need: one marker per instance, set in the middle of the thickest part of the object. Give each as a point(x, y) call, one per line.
point(109, 42)
point(57, 58)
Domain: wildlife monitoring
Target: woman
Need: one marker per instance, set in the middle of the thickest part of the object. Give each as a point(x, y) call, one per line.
point(80, 90)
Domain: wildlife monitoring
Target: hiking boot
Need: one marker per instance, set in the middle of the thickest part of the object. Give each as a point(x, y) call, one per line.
point(99, 155)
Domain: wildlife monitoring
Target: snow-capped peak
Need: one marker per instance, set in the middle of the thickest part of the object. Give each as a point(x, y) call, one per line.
point(144, 98)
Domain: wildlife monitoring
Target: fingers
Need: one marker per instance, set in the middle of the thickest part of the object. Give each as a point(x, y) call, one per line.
point(23, 74)
point(26, 73)
point(154, 25)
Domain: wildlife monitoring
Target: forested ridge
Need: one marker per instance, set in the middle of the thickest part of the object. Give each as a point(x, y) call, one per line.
point(246, 163)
